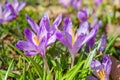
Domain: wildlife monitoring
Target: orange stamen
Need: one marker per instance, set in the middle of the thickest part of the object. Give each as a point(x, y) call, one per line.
point(37, 42)
point(73, 36)
point(101, 74)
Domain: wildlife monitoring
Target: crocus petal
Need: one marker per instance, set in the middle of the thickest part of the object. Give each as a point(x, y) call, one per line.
point(45, 21)
point(96, 67)
point(6, 13)
point(68, 25)
point(57, 22)
point(10, 7)
point(79, 40)
point(16, 4)
point(30, 53)
point(29, 35)
point(9, 18)
point(52, 39)
point(98, 25)
point(33, 25)
point(89, 36)
point(42, 32)
point(24, 45)
point(83, 28)
point(91, 78)
point(95, 63)
point(62, 39)
point(20, 7)
point(68, 38)
point(90, 44)
point(107, 64)
point(103, 42)
point(42, 47)
point(0, 11)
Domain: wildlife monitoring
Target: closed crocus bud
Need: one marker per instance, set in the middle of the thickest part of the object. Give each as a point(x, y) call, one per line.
point(83, 14)
point(103, 43)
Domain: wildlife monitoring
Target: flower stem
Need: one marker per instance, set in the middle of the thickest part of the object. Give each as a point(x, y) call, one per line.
point(46, 64)
point(73, 58)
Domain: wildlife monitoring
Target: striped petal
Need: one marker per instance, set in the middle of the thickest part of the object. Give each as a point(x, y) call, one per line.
point(30, 53)
point(33, 25)
point(25, 45)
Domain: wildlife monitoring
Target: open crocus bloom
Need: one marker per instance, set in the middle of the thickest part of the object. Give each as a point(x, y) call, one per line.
point(101, 70)
point(7, 13)
point(10, 11)
point(72, 39)
point(41, 38)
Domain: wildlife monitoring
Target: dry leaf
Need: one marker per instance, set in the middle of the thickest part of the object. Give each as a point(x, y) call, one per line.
point(115, 70)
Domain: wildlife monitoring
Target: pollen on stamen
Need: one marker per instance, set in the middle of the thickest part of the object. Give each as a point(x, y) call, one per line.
point(101, 74)
point(73, 36)
point(36, 40)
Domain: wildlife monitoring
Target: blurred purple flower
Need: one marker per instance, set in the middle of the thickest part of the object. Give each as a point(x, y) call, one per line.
point(83, 14)
point(18, 6)
point(98, 2)
point(7, 13)
point(65, 3)
point(10, 11)
point(103, 43)
point(41, 38)
point(72, 39)
point(74, 3)
point(101, 70)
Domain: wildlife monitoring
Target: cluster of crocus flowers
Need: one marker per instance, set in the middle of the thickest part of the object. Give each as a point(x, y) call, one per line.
point(74, 39)
point(101, 69)
point(74, 3)
point(9, 11)
point(42, 36)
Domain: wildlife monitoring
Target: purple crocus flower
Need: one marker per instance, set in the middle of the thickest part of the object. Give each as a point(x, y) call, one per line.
point(101, 70)
point(18, 6)
point(7, 13)
point(72, 39)
point(41, 38)
point(76, 4)
point(10, 11)
point(83, 14)
point(97, 2)
point(103, 43)
point(65, 3)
